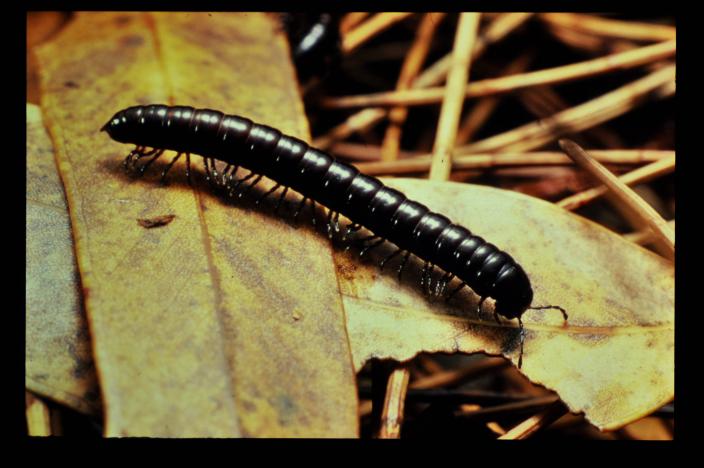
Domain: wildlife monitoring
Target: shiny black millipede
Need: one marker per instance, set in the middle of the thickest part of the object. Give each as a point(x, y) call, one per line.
point(315, 42)
point(365, 200)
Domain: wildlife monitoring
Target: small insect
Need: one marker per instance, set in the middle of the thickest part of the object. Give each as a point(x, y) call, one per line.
point(318, 177)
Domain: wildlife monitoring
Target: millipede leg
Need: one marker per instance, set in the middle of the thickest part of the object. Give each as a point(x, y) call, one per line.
point(215, 170)
point(336, 222)
point(523, 340)
point(188, 168)
point(131, 157)
point(299, 208)
point(143, 154)
point(312, 212)
point(223, 178)
point(479, 306)
point(423, 277)
point(371, 246)
point(227, 181)
point(350, 229)
point(208, 174)
point(271, 190)
point(442, 283)
point(329, 223)
point(403, 265)
point(148, 163)
point(250, 186)
point(281, 199)
point(359, 241)
point(389, 257)
point(239, 182)
point(168, 167)
point(455, 291)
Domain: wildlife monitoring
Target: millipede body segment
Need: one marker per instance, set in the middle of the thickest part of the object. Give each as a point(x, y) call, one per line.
point(365, 200)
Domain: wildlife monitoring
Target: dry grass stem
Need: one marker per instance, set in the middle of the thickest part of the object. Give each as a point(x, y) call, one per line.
point(637, 176)
point(370, 28)
point(431, 76)
point(38, 416)
point(453, 100)
point(455, 376)
point(352, 20)
point(392, 414)
point(421, 163)
point(658, 84)
point(429, 365)
point(535, 423)
point(365, 408)
point(626, 198)
point(483, 109)
point(611, 28)
point(359, 121)
point(646, 236)
point(529, 403)
point(610, 63)
point(498, 29)
point(409, 70)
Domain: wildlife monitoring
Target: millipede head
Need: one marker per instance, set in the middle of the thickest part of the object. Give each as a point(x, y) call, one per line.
point(140, 125)
point(117, 127)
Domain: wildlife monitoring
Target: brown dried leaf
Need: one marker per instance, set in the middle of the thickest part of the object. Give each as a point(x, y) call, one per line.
point(58, 357)
point(614, 359)
point(194, 326)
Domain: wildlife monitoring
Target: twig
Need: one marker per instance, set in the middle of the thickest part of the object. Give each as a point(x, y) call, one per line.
point(453, 100)
point(455, 376)
point(38, 416)
point(456, 397)
point(611, 28)
point(351, 20)
point(370, 28)
point(625, 197)
point(392, 414)
point(483, 109)
point(431, 76)
point(543, 101)
point(645, 236)
point(498, 29)
point(533, 424)
point(409, 70)
point(610, 63)
point(586, 115)
point(513, 407)
point(637, 176)
point(421, 163)
point(429, 365)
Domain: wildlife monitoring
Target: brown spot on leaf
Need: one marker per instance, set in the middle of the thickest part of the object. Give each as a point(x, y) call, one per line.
point(158, 221)
point(131, 41)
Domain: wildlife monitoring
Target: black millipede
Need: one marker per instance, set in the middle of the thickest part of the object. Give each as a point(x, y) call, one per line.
point(291, 163)
point(315, 42)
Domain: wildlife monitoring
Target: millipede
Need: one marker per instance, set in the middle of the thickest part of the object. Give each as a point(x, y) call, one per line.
point(315, 42)
point(364, 200)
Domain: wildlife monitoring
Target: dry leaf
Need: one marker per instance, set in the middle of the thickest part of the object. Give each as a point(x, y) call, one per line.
point(59, 364)
point(192, 325)
point(614, 359)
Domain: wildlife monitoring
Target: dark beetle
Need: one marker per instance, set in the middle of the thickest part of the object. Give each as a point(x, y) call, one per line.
point(365, 200)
